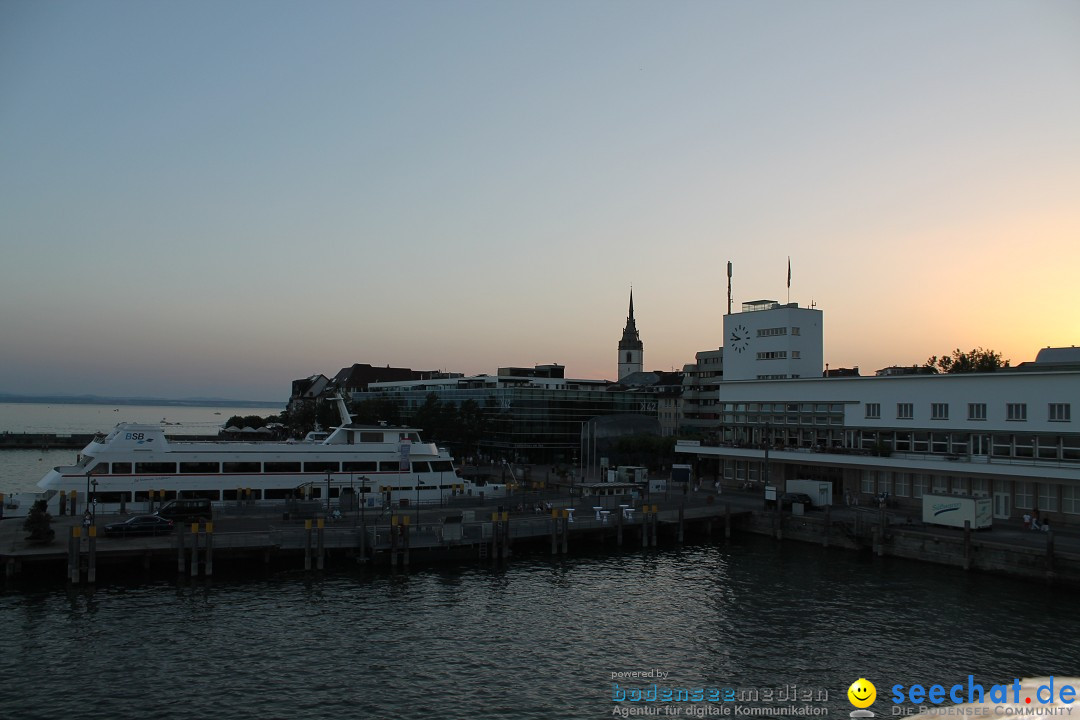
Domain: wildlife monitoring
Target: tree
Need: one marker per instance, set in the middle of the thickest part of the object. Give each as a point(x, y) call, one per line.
point(38, 523)
point(974, 361)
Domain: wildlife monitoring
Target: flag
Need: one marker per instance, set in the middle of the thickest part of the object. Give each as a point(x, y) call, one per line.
point(789, 272)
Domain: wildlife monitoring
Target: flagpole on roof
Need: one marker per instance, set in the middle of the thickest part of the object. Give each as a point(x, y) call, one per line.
point(789, 279)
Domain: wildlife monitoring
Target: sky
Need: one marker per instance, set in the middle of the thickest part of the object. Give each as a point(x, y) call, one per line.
point(212, 199)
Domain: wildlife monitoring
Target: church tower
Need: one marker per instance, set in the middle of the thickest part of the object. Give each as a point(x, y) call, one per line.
point(630, 348)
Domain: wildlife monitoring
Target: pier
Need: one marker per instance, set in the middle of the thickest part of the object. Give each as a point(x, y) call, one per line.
point(302, 536)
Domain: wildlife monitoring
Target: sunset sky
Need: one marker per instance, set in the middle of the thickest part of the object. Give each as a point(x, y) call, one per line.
point(215, 198)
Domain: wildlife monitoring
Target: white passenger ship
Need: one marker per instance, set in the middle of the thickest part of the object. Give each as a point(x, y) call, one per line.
point(375, 465)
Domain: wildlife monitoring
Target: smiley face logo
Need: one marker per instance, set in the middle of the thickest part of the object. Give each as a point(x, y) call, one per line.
point(862, 693)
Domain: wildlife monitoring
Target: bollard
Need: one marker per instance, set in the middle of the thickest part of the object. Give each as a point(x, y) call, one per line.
point(91, 564)
point(307, 544)
point(194, 549)
point(209, 549)
point(321, 546)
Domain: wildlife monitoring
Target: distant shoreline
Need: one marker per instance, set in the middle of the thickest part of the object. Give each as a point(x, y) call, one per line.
point(95, 400)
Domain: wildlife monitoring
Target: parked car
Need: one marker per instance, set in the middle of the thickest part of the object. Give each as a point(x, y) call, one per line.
point(187, 509)
point(787, 499)
point(140, 525)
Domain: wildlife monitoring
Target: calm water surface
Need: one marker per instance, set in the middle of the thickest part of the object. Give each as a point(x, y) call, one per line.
point(537, 640)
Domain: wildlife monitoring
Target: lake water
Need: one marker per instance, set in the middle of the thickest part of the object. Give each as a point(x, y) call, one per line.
point(21, 469)
point(540, 639)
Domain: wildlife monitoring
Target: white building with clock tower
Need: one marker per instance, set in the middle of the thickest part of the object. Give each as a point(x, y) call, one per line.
point(772, 341)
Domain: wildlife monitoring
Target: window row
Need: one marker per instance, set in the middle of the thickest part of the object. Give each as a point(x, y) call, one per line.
point(1016, 412)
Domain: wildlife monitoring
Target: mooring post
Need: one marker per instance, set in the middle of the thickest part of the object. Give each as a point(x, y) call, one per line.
point(307, 544)
point(554, 531)
point(967, 544)
point(320, 544)
point(180, 549)
point(194, 549)
point(565, 531)
point(506, 536)
point(73, 554)
point(393, 541)
point(91, 563)
point(209, 571)
point(682, 512)
point(1050, 555)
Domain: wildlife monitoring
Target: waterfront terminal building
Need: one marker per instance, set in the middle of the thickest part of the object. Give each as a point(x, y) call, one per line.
point(1007, 435)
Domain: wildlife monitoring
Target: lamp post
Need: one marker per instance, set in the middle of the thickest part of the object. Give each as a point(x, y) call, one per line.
point(93, 512)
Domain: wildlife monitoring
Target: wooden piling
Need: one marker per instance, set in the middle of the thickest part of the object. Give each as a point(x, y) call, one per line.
point(1050, 556)
point(180, 549)
point(565, 531)
point(91, 565)
point(194, 549)
point(307, 544)
point(73, 554)
point(967, 544)
point(320, 549)
point(209, 566)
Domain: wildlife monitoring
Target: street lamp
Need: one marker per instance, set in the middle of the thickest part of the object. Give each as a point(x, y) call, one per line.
point(94, 504)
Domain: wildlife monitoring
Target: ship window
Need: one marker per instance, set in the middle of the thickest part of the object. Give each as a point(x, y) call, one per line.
point(242, 467)
point(389, 466)
point(367, 466)
point(155, 468)
point(281, 467)
point(100, 469)
point(371, 437)
point(121, 468)
point(420, 466)
point(201, 468)
point(442, 466)
point(212, 495)
point(321, 467)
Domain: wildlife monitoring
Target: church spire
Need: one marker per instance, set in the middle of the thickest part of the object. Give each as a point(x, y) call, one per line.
point(630, 346)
